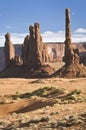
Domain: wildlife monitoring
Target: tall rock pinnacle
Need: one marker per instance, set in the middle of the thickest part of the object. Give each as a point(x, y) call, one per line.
point(71, 52)
point(67, 30)
point(9, 50)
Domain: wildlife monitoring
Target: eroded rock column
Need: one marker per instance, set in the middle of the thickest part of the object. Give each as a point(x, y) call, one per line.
point(35, 52)
point(25, 48)
point(9, 50)
point(71, 52)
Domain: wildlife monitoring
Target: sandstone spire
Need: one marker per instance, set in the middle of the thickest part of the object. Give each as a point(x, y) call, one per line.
point(72, 68)
point(67, 34)
point(71, 52)
point(32, 32)
point(37, 32)
point(9, 50)
point(34, 50)
point(67, 30)
point(25, 48)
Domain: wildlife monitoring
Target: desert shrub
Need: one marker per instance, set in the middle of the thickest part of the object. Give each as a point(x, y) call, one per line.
point(46, 91)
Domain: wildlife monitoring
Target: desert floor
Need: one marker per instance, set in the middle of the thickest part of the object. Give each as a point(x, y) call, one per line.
point(43, 104)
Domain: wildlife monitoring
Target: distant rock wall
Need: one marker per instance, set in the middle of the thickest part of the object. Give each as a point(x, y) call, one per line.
point(55, 51)
point(2, 58)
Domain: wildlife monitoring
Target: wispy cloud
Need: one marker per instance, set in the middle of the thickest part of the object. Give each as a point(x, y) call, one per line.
point(2, 39)
point(78, 35)
point(8, 27)
point(50, 36)
point(80, 30)
point(16, 38)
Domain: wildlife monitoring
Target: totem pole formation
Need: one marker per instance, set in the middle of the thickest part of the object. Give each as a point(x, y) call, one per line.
point(71, 52)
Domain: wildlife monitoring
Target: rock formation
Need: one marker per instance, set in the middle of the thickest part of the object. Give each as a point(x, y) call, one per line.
point(72, 67)
point(45, 54)
point(25, 50)
point(34, 51)
point(71, 52)
point(35, 47)
point(9, 50)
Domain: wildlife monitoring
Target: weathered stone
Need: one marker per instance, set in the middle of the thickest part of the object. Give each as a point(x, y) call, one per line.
point(9, 50)
point(71, 52)
point(34, 51)
point(25, 48)
point(72, 67)
point(18, 60)
point(35, 47)
point(45, 55)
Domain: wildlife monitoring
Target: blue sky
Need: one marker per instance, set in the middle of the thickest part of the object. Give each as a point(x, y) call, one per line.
point(17, 15)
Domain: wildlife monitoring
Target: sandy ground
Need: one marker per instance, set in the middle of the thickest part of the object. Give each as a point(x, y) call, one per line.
point(38, 106)
point(11, 86)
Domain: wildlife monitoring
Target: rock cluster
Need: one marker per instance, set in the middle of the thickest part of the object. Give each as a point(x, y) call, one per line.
point(72, 67)
point(34, 51)
point(9, 50)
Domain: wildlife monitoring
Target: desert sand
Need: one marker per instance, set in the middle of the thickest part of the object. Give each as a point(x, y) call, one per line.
point(42, 104)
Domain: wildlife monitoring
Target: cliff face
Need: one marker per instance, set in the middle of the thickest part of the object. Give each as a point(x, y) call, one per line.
point(2, 58)
point(55, 51)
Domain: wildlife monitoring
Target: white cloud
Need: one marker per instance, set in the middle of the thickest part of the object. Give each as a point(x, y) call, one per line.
point(78, 35)
point(80, 30)
point(2, 39)
point(50, 36)
point(8, 27)
point(16, 38)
